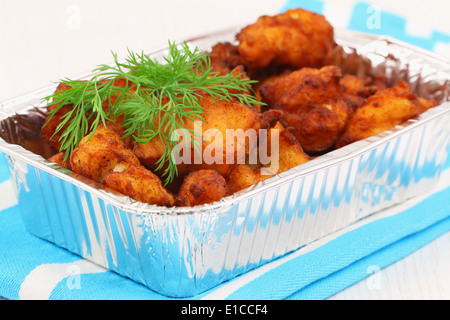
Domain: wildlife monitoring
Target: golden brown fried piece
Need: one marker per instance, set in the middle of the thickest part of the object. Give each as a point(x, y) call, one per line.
point(290, 151)
point(219, 117)
point(270, 118)
point(49, 129)
point(357, 89)
point(426, 104)
point(239, 72)
point(138, 183)
point(149, 153)
point(224, 57)
point(242, 177)
point(60, 87)
point(201, 187)
point(117, 122)
point(289, 154)
point(313, 103)
point(98, 154)
point(382, 111)
point(269, 79)
point(296, 38)
point(306, 85)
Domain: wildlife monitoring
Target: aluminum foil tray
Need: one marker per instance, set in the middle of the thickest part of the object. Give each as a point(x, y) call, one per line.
point(181, 252)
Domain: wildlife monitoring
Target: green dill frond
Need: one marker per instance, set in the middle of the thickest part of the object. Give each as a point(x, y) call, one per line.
point(156, 100)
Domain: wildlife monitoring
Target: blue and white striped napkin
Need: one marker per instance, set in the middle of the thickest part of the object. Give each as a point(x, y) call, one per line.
point(31, 268)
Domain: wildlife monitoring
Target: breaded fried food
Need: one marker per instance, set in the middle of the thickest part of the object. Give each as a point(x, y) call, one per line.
point(98, 153)
point(224, 57)
point(357, 89)
point(149, 153)
point(53, 137)
point(289, 154)
point(296, 38)
point(382, 111)
point(427, 103)
point(48, 130)
point(138, 183)
point(116, 122)
point(270, 118)
point(219, 116)
point(240, 73)
point(269, 79)
point(201, 187)
point(313, 103)
point(290, 151)
point(243, 176)
point(61, 87)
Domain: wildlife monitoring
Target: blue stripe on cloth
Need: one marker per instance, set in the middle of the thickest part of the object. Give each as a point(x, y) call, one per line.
point(314, 274)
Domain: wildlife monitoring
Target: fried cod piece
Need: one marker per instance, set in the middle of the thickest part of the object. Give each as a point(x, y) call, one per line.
point(138, 183)
point(98, 153)
point(270, 118)
point(217, 152)
point(427, 103)
point(269, 79)
point(201, 187)
point(313, 103)
point(116, 122)
point(297, 38)
point(382, 111)
point(52, 137)
point(289, 154)
point(290, 151)
point(48, 130)
point(224, 57)
point(357, 89)
point(243, 176)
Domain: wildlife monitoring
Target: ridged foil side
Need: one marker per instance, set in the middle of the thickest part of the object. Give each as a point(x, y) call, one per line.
point(182, 255)
point(184, 251)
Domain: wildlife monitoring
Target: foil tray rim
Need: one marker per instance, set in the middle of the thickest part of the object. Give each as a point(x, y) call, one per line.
point(329, 159)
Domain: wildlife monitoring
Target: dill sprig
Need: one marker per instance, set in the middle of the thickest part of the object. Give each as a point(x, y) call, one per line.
point(156, 99)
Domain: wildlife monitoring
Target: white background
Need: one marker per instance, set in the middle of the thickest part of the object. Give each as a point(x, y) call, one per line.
point(43, 41)
point(46, 40)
